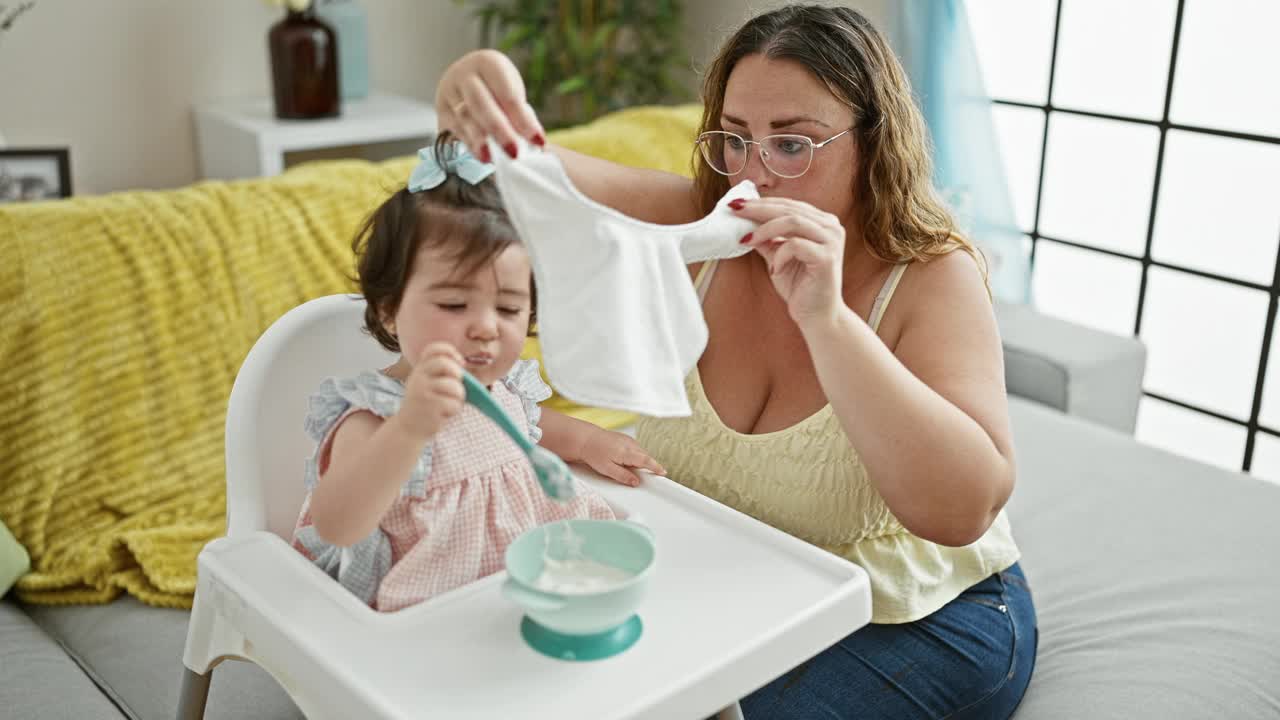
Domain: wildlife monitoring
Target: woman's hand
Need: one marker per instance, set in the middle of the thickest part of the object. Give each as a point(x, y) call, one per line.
point(482, 95)
point(433, 392)
point(804, 248)
point(617, 456)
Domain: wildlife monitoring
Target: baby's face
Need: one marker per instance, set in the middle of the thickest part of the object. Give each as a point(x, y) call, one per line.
point(484, 315)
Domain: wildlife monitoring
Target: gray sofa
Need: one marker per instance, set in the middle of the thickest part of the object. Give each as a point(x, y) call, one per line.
point(1154, 575)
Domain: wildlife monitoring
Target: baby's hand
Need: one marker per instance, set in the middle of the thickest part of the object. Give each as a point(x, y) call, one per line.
point(617, 456)
point(434, 391)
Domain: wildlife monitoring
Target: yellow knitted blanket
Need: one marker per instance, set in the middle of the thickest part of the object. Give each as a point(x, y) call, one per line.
point(123, 321)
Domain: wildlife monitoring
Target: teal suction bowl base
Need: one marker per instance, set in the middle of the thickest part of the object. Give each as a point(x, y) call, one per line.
point(580, 648)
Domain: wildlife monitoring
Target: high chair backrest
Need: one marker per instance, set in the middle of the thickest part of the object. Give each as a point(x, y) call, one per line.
point(266, 445)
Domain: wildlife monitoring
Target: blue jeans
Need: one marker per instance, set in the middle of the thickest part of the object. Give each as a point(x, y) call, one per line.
point(970, 659)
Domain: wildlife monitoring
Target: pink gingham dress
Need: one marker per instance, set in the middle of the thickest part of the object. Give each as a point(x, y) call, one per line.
point(472, 492)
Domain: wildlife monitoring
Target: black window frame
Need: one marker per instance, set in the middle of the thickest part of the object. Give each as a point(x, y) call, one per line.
point(1253, 425)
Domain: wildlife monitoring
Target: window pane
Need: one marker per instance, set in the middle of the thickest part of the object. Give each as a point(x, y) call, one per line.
point(1086, 287)
point(1113, 57)
point(1266, 457)
point(1227, 61)
point(1203, 340)
point(1014, 39)
point(1218, 206)
point(1190, 433)
point(1021, 135)
point(1099, 175)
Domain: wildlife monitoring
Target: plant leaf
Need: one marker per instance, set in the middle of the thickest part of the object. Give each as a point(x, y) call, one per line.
point(571, 85)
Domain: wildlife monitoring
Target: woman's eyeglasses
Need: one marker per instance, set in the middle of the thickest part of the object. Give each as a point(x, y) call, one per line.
point(787, 156)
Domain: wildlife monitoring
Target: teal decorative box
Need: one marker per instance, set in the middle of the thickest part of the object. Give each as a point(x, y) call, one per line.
point(351, 24)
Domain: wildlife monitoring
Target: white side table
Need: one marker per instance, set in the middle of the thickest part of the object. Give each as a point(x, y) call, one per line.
point(243, 138)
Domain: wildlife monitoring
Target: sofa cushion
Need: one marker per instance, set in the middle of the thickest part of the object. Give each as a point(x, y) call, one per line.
point(1084, 372)
point(1154, 577)
point(135, 652)
point(39, 679)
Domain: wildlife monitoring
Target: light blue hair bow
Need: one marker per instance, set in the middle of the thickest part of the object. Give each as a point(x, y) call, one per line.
point(430, 171)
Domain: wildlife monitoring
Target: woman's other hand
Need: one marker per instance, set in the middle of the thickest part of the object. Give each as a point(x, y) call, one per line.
point(482, 95)
point(804, 248)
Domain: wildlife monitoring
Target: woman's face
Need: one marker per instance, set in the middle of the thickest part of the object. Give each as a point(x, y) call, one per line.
point(777, 96)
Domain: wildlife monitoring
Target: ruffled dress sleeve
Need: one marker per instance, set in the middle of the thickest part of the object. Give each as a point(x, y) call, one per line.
point(526, 383)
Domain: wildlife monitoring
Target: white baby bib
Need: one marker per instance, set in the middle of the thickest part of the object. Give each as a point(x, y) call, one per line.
point(619, 322)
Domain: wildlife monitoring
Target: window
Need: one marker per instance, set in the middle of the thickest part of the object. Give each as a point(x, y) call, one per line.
point(1142, 145)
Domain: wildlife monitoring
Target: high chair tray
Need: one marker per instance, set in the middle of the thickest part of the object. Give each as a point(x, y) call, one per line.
point(732, 604)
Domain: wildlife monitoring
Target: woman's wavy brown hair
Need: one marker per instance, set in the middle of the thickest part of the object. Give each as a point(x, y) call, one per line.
point(902, 216)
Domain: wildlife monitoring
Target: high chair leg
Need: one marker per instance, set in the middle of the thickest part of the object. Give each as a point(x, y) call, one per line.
point(194, 694)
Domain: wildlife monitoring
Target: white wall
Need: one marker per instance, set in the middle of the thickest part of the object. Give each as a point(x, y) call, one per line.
point(115, 79)
point(709, 22)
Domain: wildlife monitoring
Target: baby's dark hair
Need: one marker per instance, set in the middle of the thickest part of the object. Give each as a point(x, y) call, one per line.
point(468, 218)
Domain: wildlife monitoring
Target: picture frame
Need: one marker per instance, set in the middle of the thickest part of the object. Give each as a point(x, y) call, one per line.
point(30, 174)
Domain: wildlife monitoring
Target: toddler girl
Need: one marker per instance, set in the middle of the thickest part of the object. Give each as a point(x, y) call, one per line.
point(412, 492)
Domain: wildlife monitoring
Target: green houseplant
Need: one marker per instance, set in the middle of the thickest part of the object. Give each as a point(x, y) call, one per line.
point(583, 58)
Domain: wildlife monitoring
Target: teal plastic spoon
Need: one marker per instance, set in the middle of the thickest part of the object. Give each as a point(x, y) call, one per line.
point(552, 473)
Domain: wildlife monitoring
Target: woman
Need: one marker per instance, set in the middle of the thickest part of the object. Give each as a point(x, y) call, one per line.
point(869, 416)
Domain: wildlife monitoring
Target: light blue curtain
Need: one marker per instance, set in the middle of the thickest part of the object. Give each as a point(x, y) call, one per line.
point(935, 43)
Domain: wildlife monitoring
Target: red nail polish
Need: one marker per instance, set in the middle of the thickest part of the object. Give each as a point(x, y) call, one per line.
point(540, 140)
point(737, 204)
point(511, 149)
point(745, 239)
point(484, 153)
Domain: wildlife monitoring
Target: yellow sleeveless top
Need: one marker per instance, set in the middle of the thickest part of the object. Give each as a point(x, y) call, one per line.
point(807, 480)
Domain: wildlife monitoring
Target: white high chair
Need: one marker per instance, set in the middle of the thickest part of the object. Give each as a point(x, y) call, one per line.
point(258, 599)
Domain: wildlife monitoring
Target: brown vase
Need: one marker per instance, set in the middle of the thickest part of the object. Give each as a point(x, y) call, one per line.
point(304, 66)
